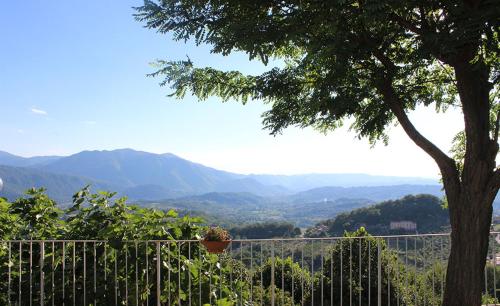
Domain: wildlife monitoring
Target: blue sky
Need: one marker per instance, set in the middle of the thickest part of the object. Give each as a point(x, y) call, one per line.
point(73, 78)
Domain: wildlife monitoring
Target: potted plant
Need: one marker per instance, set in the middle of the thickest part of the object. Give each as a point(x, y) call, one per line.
point(216, 239)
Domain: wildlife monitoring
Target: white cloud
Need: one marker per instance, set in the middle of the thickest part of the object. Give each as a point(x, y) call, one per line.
point(39, 111)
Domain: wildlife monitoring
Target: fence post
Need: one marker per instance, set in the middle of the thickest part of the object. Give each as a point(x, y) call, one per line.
point(379, 276)
point(42, 257)
point(158, 280)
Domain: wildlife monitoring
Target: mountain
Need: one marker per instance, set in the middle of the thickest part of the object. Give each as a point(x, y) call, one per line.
point(59, 186)
point(373, 193)
point(162, 175)
point(148, 176)
point(302, 182)
point(130, 168)
point(8, 159)
point(425, 210)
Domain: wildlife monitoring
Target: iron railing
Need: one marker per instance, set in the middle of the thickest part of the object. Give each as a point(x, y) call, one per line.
point(380, 270)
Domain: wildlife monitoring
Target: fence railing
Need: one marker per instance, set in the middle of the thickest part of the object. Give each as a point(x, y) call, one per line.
point(384, 270)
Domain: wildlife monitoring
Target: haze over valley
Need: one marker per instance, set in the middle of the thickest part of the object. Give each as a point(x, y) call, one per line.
point(169, 181)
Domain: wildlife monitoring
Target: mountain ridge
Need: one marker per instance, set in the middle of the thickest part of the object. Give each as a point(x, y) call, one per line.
point(148, 176)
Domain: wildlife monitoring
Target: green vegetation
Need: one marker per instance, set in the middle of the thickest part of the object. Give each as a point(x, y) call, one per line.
point(300, 268)
point(265, 230)
point(425, 210)
point(101, 217)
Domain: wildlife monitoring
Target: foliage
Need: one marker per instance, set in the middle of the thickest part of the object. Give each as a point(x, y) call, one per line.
point(359, 282)
point(39, 216)
point(288, 277)
point(265, 230)
point(425, 210)
point(339, 56)
point(99, 218)
point(216, 233)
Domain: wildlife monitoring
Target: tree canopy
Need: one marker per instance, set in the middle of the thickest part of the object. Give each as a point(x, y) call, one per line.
point(342, 58)
point(367, 61)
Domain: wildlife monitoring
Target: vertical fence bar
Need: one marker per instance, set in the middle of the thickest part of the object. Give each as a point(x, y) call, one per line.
point(272, 273)
point(158, 274)
point(388, 268)
point(312, 272)
point(179, 272)
point(416, 268)
point(241, 274)
point(168, 272)
point(398, 275)
point(433, 268)
point(63, 264)
point(136, 275)
point(282, 274)
point(20, 273)
point(302, 276)
point(350, 272)
point(261, 274)
point(331, 272)
point(52, 289)
point(105, 271)
point(494, 257)
point(442, 274)
point(341, 273)
point(369, 273)
point(406, 263)
point(84, 273)
point(189, 273)
point(251, 272)
point(360, 255)
point(200, 274)
point(116, 275)
point(73, 262)
point(379, 274)
point(95, 274)
point(31, 272)
point(322, 272)
point(147, 272)
point(126, 273)
point(9, 272)
point(42, 278)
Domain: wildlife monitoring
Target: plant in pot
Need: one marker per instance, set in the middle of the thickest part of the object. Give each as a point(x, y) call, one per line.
point(216, 239)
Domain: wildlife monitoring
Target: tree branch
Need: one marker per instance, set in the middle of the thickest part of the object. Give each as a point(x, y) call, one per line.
point(407, 24)
point(497, 127)
point(445, 163)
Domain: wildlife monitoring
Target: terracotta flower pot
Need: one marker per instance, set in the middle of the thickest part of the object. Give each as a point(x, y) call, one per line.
point(216, 247)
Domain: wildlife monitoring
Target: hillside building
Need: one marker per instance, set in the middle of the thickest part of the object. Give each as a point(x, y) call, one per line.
point(403, 225)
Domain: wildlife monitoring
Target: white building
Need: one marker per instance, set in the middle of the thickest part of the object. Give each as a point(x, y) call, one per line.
point(403, 225)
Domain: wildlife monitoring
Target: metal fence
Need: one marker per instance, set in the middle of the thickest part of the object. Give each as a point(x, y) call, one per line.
point(384, 270)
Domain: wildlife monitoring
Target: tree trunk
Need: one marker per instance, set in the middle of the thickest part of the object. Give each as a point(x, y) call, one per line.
point(470, 201)
point(469, 248)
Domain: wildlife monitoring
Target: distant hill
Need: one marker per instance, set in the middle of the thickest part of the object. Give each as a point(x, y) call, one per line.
point(131, 168)
point(373, 193)
point(148, 176)
point(303, 182)
point(425, 210)
point(59, 186)
point(8, 159)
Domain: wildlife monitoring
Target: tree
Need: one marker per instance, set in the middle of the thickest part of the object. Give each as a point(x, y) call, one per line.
point(373, 61)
